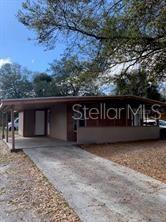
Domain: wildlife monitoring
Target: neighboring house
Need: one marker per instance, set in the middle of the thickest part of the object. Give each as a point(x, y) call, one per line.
point(108, 118)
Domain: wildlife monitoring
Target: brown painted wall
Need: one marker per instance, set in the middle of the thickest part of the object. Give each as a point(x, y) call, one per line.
point(71, 135)
point(29, 123)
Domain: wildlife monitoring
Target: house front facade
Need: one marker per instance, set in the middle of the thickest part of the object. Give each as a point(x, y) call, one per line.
point(92, 119)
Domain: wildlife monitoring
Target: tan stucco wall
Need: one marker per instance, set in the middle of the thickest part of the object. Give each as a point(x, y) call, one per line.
point(21, 124)
point(58, 122)
point(116, 134)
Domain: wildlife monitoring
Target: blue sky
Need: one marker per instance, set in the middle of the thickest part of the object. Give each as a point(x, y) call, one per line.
point(14, 43)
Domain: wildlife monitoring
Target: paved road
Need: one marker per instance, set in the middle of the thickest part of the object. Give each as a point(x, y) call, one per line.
point(98, 189)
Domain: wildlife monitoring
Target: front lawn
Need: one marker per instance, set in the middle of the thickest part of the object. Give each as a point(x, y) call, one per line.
point(146, 157)
point(25, 193)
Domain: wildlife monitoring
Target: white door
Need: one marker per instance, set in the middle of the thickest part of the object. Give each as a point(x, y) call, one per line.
point(40, 123)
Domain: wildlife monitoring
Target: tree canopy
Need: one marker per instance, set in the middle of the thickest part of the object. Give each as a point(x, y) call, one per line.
point(14, 82)
point(65, 77)
point(109, 32)
point(44, 85)
point(137, 83)
point(74, 77)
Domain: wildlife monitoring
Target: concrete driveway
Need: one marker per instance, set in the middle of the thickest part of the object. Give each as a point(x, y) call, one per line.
point(100, 190)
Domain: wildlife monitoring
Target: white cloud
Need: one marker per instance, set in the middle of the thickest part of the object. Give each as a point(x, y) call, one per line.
point(4, 61)
point(33, 61)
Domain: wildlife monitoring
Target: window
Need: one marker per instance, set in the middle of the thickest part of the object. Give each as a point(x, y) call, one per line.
point(78, 122)
point(136, 119)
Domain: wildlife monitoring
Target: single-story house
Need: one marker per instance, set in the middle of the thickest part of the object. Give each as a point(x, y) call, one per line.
point(88, 119)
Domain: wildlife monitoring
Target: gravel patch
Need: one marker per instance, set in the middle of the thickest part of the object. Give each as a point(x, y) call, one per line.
point(146, 157)
point(25, 193)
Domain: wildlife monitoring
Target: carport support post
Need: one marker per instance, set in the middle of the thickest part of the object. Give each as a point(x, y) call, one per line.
point(3, 127)
point(12, 128)
point(7, 128)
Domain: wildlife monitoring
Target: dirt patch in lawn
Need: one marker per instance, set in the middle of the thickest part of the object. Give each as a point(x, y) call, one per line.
point(146, 157)
point(25, 193)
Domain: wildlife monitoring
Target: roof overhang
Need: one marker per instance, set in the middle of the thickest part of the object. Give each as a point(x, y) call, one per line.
point(48, 102)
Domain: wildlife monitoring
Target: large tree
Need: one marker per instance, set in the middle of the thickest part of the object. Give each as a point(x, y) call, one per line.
point(44, 85)
point(111, 32)
point(74, 77)
point(14, 82)
point(137, 83)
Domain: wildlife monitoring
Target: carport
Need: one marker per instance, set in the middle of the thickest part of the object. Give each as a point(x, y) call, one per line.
point(34, 121)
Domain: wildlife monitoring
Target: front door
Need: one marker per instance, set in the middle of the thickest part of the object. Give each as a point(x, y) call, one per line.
point(40, 123)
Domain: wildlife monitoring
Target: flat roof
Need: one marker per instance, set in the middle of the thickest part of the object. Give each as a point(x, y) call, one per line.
point(44, 102)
